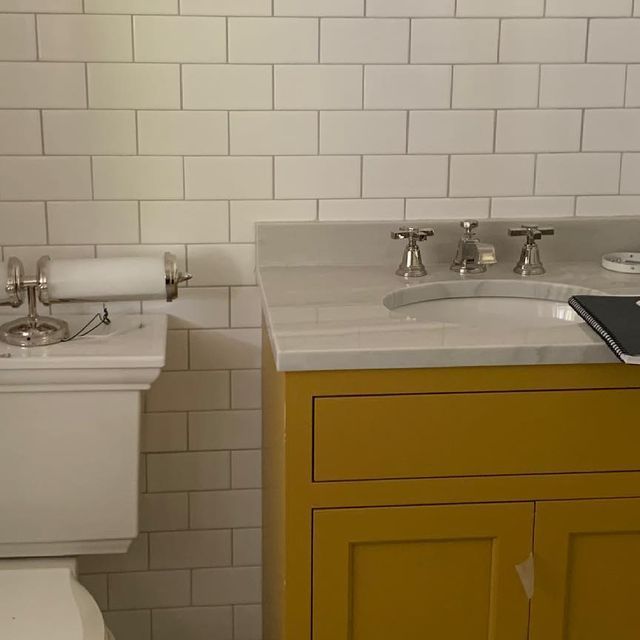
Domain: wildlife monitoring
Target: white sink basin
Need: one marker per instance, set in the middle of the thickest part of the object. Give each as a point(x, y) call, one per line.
point(495, 304)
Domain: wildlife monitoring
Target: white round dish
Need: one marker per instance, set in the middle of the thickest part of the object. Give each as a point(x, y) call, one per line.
point(624, 262)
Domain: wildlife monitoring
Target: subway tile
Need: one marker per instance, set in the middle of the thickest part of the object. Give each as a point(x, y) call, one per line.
point(589, 8)
point(164, 511)
point(225, 509)
point(245, 214)
point(495, 86)
point(137, 178)
point(89, 132)
point(134, 86)
point(189, 391)
point(53, 85)
point(273, 40)
point(186, 549)
point(447, 208)
point(361, 132)
point(318, 7)
point(363, 40)
point(362, 209)
point(182, 133)
point(149, 589)
point(228, 178)
point(179, 39)
point(535, 40)
point(318, 87)
point(633, 86)
point(135, 559)
point(129, 625)
point(247, 546)
point(227, 86)
point(131, 6)
point(93, 222)
point(407, 87)
point(190, 471)
point(246, 389)
point(195, 308)
point(614, 40)
point(246, 471)
point(636, 9)
point(404, 176)
point(20, 132)
point(454, 40)
point(190, 221)
point(608, 206)
point(85, 38)
point(224, 430)
point(22, 223)
point(538, 131)
point(532, 208)
point(499, 8)
point(225, 349)
point(226, 7)
point(234, 585)
point(164, 432)
point(492, 175)
point(247, 622)
point(17, 37)
point(177, 351)
point(273, 133)
point(611, 130)
point(582, 85)
point(42, 178)
point(451, 132)
point(630, 183)
point(193, 623)
point(317, 177)
point(246, 309)
point(222, 264)
point(578, 173)
point(410, 8)
point(41, 6)
point(96, 585)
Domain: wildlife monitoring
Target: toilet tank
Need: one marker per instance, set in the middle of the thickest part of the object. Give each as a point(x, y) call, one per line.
point(69, 439)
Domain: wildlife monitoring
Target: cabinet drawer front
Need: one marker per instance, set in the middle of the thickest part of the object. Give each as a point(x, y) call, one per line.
point(474, 434)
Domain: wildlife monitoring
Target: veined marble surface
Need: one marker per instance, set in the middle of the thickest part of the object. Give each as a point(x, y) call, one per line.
point(329, 317)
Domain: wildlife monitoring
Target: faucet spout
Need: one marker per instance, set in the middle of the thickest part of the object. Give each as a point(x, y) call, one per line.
point(472, 256)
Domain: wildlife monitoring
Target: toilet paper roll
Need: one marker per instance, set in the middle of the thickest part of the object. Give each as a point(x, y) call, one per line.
point(102, 279)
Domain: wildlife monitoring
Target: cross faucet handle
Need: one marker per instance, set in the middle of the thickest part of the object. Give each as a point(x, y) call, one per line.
point(413, 234)
point(532, 231)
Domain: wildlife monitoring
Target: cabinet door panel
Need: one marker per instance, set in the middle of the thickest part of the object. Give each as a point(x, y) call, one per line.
point(587, 557)
point(421, 573)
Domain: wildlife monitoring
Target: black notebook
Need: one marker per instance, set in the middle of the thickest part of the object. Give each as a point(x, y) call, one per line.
point(616, 319)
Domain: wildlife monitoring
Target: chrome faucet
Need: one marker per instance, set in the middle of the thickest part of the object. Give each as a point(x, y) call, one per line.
point(411, 265)
point(530, 263)
point(472, 256)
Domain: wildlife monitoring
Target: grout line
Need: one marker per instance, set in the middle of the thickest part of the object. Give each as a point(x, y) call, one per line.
point(133, 41)
point(37, 35)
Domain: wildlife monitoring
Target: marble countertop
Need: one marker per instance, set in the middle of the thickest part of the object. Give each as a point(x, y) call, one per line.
point(334, 317)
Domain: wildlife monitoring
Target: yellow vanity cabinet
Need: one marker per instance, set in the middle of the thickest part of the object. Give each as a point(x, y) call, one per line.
point(398, 503)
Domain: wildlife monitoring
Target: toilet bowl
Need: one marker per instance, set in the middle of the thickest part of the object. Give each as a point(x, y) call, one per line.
point(69, 458)
point(43, 600)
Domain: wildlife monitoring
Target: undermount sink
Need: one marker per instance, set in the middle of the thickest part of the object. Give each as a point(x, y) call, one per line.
point(488, 303)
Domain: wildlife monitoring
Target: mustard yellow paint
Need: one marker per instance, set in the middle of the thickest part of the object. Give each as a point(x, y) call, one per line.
point(585, 448)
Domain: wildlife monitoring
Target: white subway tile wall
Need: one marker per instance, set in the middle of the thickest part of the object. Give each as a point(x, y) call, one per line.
point(130, 127)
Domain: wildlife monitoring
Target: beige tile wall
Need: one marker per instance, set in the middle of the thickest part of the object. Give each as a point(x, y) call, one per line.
point(138, 126)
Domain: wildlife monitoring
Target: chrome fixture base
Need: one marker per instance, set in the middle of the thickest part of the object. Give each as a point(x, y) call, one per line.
point(411, 265)
point(472, 256)
point(38, 332)
point(530, 263)
point(34, 330)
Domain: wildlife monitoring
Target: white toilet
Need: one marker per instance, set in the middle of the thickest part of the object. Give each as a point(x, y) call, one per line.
point(69, 455)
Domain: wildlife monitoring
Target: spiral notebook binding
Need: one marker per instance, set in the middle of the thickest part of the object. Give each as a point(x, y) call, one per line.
point(597, 327)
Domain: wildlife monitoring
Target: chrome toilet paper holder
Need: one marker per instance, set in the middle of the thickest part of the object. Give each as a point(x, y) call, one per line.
point(34, 330)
